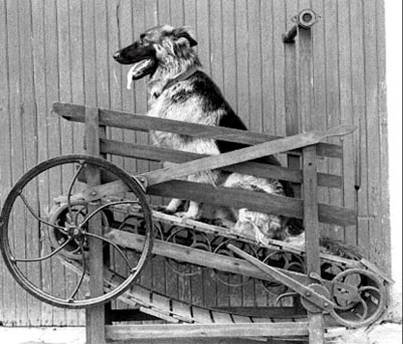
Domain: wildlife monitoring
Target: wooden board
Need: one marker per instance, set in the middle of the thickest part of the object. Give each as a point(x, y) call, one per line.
point(124, 332)
point(117, 119)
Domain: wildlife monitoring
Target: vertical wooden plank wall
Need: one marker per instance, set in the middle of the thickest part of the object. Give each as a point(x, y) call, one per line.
point(62, 51)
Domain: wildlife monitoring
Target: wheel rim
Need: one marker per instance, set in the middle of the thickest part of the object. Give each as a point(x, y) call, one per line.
point(26, 198)
point(359, 296)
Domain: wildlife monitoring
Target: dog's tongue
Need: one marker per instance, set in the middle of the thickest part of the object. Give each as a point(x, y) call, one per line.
point(136, 71)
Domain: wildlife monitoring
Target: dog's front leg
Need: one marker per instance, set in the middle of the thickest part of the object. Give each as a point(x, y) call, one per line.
point(173, 205)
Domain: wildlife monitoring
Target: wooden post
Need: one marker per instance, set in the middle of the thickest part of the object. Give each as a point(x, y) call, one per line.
point(310, 192)
point(292, 121)
point(95, 316)
point(291, 110)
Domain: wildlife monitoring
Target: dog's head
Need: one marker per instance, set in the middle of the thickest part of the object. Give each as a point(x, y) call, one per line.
point(156, 47)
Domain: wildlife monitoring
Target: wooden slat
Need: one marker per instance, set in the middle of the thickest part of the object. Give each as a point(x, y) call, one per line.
point(254, 74)
point(126, 332)
point(333, 101)
point(75, 113)
point(348, 165)
point(115, 71)
point(143, 296)
point(358, 98)
point(320, 94)
point(221, 318)
point(227, 21)
point(58, 276)
point(373, 126)
point(161, 302)
point(7, 296)
point(127, 28)
point(41, 95)
point(202, 315)
point(383, 135)
point(30, 154)
point(183, 309)
point(154, 153)
point(159, 315)
point(66, 129)
point(17, 236)
point(240, 319)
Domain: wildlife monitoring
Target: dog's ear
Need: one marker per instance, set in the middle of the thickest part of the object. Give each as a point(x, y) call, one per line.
point(183, 32)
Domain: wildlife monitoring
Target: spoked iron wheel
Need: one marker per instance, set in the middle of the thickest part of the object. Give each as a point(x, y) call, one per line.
point(38, 265)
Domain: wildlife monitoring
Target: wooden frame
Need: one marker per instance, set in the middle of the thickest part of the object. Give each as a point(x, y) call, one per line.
point(307, 146)
point(309, 210)
point(95, 316)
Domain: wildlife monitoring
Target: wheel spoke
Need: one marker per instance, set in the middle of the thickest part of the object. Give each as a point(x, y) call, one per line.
point(117, 248)
point(80, 281)
point(71, 188)
point(364, 314)
point(44, 257)
point(376, 290)
point(59, 228)
point(90, 216)
point(298, 266)
point(78, 213)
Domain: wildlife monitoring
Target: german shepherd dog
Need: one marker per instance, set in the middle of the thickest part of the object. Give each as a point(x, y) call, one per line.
point(179, 90)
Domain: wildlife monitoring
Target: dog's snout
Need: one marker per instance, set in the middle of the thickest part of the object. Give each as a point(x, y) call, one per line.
point(116, 55)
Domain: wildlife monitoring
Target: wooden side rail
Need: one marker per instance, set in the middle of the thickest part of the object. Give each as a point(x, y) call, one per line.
point(235, 198)
point(154, 153)
point(124, 120)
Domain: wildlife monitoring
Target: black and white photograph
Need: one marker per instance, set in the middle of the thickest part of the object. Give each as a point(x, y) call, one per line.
point(201, 171)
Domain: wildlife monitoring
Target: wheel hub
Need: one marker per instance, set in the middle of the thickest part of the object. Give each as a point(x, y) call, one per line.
point(75, 232)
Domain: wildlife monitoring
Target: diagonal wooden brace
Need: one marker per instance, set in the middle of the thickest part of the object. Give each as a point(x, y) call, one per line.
point(306, 292)
point(242, 155)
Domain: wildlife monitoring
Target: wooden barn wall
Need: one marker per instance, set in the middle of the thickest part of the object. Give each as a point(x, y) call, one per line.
point(61, 51)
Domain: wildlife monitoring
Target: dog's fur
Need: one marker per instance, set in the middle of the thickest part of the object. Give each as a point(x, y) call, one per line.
point(165, 54)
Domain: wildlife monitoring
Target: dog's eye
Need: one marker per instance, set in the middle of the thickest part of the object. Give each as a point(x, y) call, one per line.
point(143, 38)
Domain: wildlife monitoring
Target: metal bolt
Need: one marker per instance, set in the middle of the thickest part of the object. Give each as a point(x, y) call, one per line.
point(307, 17)
point(308, 294)
point(326, 305)
point(93, 193)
